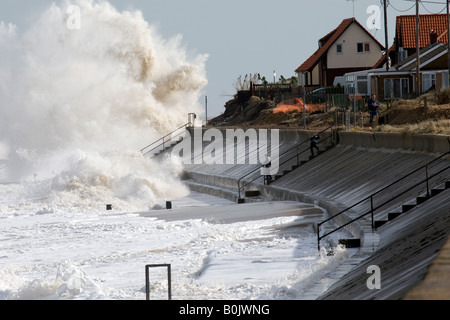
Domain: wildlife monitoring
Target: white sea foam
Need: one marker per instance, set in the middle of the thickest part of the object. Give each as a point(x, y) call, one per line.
point(78, 104)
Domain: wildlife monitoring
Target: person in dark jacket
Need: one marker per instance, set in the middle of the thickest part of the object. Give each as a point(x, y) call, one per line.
point(373, 108)
point(314, 140)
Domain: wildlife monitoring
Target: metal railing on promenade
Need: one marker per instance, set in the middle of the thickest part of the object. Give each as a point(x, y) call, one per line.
point(283, 161)
point(370, 198)
point(167, 138)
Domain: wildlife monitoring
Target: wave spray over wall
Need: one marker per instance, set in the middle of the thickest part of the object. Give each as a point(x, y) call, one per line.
point(78, 103)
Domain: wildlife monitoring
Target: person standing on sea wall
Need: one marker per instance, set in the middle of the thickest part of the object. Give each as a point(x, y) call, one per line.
point(267, 164)
point(313, 145)
point(373, 105)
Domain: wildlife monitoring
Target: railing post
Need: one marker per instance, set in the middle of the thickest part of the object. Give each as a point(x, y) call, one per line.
point(318, 237)
point(371, 210)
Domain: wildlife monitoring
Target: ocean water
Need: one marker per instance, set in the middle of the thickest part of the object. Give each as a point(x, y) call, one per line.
point(84, 254)
point(76, 106)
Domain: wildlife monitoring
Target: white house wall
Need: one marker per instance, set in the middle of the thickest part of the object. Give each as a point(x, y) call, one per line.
point(350, 58)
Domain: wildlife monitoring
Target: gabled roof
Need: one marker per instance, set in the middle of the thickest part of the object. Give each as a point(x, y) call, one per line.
point(427, 55)
point(406, 29)
point(328, 40)
point(382, 61)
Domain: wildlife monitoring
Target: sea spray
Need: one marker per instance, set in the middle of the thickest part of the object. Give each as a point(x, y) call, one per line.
point(76, 104)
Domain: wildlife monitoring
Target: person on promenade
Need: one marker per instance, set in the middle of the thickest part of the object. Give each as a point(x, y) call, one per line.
point(314, 140)
point(266, 168)
point(373, 108)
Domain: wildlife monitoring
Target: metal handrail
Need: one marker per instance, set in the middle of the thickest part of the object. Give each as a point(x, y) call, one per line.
point(163, 139)
point(426, 180)
point(240, 188)
point(386, 187)
point(147, 279)
point(295, 156)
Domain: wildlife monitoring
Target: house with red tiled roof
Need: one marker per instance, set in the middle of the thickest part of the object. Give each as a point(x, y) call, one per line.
point(432, 29)
point(349, 47)
point(401, 80)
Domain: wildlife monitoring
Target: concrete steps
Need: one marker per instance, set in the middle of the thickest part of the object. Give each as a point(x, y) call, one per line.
point(217, 191)
point(406, 207)
point(350, 243)
point(294, 167)
point(252, 193)
point(224, 192)
point(168, 146)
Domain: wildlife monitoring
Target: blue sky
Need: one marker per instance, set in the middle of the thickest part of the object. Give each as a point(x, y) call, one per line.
point(245, 36)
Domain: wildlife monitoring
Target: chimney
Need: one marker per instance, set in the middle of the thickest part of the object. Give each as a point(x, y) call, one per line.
point(433, 37)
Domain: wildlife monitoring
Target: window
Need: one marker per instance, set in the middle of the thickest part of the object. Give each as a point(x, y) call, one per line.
point(398, 87)
point(402, 54)
point(428, 81)
point(363, 47)
point(339, 48)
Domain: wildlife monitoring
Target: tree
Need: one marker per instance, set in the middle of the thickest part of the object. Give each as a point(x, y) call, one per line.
point(244, 83)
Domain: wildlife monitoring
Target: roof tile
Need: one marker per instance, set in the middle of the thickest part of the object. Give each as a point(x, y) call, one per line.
point(406, 29)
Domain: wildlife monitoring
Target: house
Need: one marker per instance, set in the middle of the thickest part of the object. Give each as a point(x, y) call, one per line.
point(401, 80)
point(348, 48)
point(432, 28)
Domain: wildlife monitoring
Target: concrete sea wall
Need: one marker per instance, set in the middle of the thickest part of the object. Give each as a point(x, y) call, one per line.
point(358, 165)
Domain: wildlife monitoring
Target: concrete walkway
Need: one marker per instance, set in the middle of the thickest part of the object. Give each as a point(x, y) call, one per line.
point(436, 285)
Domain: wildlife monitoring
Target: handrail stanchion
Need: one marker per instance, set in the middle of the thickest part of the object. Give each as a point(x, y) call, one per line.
point(318, 237)
point(371, 210)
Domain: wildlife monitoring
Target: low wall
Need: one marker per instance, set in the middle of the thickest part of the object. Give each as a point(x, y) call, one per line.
point(412, 142)
point(381, 140)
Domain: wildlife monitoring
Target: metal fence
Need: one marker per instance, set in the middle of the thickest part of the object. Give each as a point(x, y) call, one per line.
point(324, 102)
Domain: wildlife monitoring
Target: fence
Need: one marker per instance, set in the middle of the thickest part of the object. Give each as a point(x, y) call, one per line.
point(323, 102)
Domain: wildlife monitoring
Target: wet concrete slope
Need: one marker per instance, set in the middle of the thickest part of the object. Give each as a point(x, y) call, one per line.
point(406, 249)
point(359, 164)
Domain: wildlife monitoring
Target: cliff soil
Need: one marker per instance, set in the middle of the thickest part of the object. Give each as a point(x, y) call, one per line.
point(429, 113)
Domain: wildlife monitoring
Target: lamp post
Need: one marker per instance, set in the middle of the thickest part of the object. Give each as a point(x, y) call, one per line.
point(448, 42)
point(418, 91)
point(386, 35)
point(206, 110)
point(304, 98)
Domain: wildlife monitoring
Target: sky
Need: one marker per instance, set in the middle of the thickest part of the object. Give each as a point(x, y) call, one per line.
point(245, 36)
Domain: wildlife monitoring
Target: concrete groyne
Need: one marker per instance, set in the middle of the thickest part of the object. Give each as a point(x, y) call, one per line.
point(358, 165)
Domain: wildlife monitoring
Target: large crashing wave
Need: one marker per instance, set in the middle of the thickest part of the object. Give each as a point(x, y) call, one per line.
point(78, 103)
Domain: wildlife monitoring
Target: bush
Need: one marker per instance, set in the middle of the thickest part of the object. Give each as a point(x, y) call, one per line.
point(443, 96)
